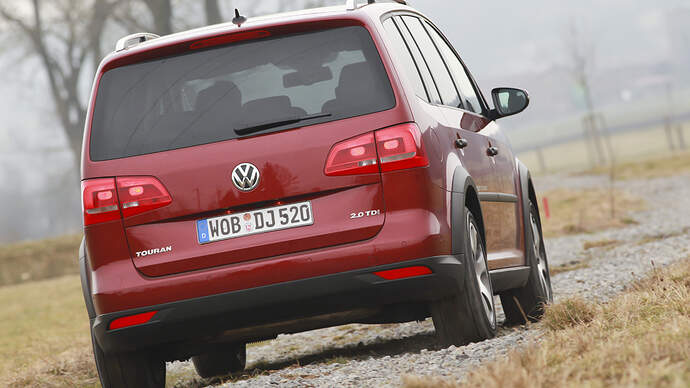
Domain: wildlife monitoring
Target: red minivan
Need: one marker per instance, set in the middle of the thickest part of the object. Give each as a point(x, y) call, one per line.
point(295, 172)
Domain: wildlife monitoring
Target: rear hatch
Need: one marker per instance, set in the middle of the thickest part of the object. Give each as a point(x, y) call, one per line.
point(240, 135)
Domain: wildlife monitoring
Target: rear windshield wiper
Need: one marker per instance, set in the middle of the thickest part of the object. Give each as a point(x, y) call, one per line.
point(276, 124)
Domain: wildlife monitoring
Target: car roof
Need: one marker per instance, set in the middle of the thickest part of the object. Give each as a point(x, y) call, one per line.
point(362, 11)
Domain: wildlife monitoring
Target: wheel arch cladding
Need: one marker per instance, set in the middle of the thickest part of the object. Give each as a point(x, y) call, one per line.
point(527, 187)
point(464, 194)
point(85, 280)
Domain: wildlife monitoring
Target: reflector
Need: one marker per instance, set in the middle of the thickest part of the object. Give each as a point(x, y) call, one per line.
point(131, 320)
point(401, 273)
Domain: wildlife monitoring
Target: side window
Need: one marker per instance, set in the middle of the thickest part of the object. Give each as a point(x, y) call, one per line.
point(402, 54)
point(470, 99)
point(419, 59)
point(446, 87)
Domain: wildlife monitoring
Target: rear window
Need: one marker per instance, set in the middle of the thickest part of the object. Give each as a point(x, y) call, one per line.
point(239, 90)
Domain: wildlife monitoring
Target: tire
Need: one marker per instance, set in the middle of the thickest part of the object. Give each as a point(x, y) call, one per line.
point(221, 362)
point(537, 292)
point(471, 315)
point(128, 369)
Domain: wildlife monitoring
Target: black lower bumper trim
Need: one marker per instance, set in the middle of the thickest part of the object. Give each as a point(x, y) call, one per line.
point(267, 311)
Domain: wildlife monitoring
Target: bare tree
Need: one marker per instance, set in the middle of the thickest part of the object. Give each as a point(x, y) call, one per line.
point(212, 11)
point(162, 13)
point(64, 35)
point(581, 55)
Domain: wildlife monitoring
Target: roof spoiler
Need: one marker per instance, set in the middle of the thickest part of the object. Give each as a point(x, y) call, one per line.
point(351, 5)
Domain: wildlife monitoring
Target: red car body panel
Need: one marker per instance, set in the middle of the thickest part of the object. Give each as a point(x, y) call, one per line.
point(415, 204)
point(408, 233)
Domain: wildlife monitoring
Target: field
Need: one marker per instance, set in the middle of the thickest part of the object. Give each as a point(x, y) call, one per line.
point(641, 338)
point(630, 149)
point(45, 340)
point(37, 260)
point(588, 211)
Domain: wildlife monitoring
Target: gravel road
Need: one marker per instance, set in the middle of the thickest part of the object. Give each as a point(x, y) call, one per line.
point(380, 355)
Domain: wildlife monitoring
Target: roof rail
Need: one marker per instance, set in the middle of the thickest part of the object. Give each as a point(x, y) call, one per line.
point(134, 40)
point(351, 5)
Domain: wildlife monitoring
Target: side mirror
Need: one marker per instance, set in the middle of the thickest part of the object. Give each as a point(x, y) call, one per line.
point(508, 102)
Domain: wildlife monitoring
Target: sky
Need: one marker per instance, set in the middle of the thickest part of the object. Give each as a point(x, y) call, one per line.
point(504, 37)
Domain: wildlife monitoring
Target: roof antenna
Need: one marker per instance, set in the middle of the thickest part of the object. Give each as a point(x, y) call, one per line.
point(239, 19)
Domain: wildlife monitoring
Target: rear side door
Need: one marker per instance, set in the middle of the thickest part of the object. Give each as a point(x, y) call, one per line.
point(442, 94)
point(464, 112)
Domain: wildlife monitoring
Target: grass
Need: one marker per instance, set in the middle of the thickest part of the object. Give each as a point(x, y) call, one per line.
point(650, 168)
point(37, 260)
point(662, 236)
point(567, 267)
point(606, 243)
point(588, 211)
point(631, 148)
point(640, 338)
point(45, 335)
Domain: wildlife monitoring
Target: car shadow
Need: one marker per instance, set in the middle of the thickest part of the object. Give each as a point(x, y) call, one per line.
point(333, 354)
point(336, 353)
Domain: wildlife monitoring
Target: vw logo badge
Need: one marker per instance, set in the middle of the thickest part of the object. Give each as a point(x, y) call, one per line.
point(246, 177)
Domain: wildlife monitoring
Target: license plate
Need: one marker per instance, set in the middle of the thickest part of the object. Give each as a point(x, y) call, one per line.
point(254, 222)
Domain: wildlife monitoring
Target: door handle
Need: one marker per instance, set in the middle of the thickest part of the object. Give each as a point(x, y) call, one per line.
point(492, 151)
point(461, 143)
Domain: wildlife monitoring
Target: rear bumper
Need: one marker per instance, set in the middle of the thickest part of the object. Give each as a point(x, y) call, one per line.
point(263, 312)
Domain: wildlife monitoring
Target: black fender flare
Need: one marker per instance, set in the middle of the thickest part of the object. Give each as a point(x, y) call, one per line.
point(85, 275)
point(527, 194)
point(462, 185)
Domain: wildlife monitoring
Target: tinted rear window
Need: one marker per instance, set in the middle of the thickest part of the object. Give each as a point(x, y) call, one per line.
point(204, 96)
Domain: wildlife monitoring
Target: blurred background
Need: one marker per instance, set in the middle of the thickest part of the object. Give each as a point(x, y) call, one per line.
point(609, 82)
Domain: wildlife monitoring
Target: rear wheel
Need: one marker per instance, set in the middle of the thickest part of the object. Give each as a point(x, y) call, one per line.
point(530, 300)
point(471, 315)
point(221, 362)
point(128, 369)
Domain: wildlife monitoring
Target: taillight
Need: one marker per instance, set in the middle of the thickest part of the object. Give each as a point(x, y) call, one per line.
point(99, 201)
point(141, 194)
point(102, 202)
point(353, 156)
point(399, 147)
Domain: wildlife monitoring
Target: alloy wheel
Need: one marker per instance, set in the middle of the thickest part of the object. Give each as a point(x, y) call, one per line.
point(482, 273)
point(539, 256)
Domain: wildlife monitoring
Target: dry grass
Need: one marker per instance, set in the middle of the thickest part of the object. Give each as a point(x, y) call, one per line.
point(662, 236)
point(630, 147)
point(45, 338)
point(38, 260)
point(567, 267)
point(650, 168)
point(606, 243)
point(641, 338)
point(587, 211)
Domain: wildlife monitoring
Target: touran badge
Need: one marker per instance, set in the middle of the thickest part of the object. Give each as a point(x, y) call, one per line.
point(246, 177)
